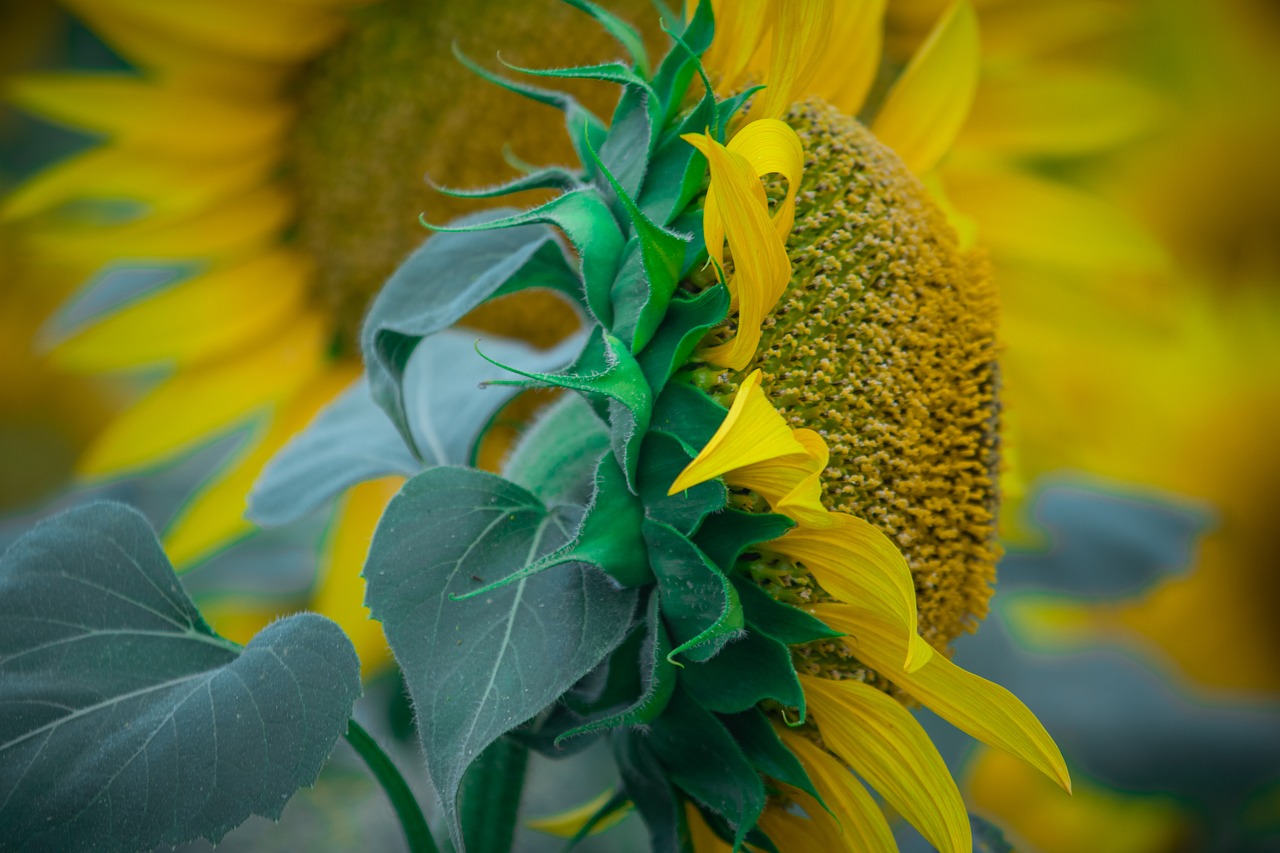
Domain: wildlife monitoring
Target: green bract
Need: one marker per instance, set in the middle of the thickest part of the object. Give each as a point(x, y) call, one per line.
point(573, 598)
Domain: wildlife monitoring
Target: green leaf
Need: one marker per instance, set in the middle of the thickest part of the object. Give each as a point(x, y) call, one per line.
point(677, 169)
point(688, 319)
point(677, 68)
point(624, 154)
point(687, 414)
point(656, 681)
point(350, 441)
point(442, 280)
point(746, 671)
point(782, 622)
point(606, 369)
point(703, 759)
point(478, 668)
point(645, 782)
point(623, 32)
point(700, 605)
point(126, 723)
point(581, 123)
point(557, 455)
point(661, 460)
point(726, 535)
point(550, 177)
point(767, 753)
point(586, 220)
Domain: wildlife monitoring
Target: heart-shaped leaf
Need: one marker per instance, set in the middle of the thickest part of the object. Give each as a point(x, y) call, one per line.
point(479, 667)
point(125, 721)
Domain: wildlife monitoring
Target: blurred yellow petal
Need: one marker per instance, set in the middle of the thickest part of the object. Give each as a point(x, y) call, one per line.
point(852, 55)
point(927, 106)
point(801, 33)
point(855, 562)
point(141, 114)
point(761, 266)
point(215, 514)
point(340, 594)
point(159, 185)
point(1018, 32)
point(985, 710)
point(221, 311)
point(740, 27)
point(568, 823)
point(1058, 112)
point(198, 404)
point(862, 827)
point(235, 225)
point(1026, 218)
point(880, 740)
point(701, 836)
point(254, 29)
point(753, 431)
point(791, 484)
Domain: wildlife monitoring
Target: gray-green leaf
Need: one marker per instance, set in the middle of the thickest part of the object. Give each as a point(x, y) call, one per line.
point(480, 667)
point(125, 722)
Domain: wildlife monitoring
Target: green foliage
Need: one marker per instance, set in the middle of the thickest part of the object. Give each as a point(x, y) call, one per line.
point(479, 667)
point(127, 722)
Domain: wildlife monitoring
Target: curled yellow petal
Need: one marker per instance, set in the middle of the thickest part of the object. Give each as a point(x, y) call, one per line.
point(773, 148)
point(791, 484)
point(982, 708)
point(753, 431)
point(925, 109)
point(801, 33)
point(862, 827)
point(568, 823)
point(855, 562)
point(761, 268)
point(885, 745)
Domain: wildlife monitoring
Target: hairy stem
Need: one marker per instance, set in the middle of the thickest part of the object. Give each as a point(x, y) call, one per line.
point(416, 831)
point(491, 793)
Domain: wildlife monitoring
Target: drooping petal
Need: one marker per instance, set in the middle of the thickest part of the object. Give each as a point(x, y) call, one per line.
point(855, 562)
point(773, 148)
point(862, 824)
point(753, 431)
point(815, 830)
point(801, 33)
point(761, 266)
point(925, 109)
point(852, 55)
point(985, 710)
point(880, 740)
point(791, 484)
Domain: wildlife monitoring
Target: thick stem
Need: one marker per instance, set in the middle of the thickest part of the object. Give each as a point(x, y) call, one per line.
point(416, 832)
point(491, 792)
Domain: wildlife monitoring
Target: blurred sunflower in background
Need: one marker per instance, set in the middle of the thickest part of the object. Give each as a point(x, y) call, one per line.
point(260, 177)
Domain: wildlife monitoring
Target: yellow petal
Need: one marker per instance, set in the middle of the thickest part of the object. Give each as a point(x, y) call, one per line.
point(852, 55)
point(753, 431)
point(214, 517)
point(701, 836)
point(801, 33)
point(880, 740)
point(773, 148)
point(158, 186)
point(198, 405)
point(740, 28)
point(855, 562)
point(862, 827)
point(1058, 112)
point(340, 594)
point(236, 225)
point(791, 484)
point(568, 823)
point(254, 29)
point(928, 104)
point(761, 266)
point(147, 116)
point(985, 710)
point(1023, 217)
point(191, 322)
point(815, 830)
